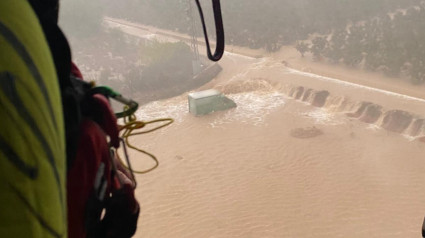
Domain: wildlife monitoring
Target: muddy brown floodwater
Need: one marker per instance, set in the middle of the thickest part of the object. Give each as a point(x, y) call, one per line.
point(345, 163)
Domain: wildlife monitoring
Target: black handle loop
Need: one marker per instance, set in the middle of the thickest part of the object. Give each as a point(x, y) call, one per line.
point(219, 49)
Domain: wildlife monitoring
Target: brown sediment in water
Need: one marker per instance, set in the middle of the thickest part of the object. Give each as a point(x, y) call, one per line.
point(247, 176)
point(397, 121)
point(288, 176)
point(305, 133)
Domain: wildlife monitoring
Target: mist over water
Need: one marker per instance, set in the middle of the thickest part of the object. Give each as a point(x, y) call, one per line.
point(325, 141)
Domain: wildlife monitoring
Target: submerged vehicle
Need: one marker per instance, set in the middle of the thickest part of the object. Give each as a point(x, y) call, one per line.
point(208, 101)
point(324, 134)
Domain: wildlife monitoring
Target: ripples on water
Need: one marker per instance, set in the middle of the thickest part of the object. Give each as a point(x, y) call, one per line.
point(324, 117)
point(163, 109)
point(255, 99)
point(252, 108)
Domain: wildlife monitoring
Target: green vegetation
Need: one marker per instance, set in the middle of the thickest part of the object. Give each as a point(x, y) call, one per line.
point(394, 44)
point(302, 47)
point(378, 35)
point(255, 23)
point(167, 64)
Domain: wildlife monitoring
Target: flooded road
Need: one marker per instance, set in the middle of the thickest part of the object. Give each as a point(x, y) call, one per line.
point(280, 167)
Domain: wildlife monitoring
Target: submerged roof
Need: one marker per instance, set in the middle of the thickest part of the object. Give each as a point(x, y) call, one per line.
point(204, 94)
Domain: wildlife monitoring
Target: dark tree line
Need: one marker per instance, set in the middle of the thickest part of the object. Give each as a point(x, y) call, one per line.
point(255, 23)
point(165, 64)
point(353, 32)
point(392, 43)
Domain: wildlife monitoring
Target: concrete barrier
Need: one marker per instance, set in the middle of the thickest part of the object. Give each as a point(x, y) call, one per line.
point(297, 92)
point(361, 107)
point(371, 114)
point(396, 121)
point(417, 127)
point(307, 94)
point(319, 98)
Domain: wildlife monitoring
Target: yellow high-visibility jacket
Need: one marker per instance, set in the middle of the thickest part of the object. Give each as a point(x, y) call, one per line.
point(32, 144)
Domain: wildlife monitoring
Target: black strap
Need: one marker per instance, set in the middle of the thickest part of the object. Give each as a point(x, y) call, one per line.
point(423, 228)
point(219, 49)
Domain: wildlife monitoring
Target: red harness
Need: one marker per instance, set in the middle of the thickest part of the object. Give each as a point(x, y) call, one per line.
point(96, 182)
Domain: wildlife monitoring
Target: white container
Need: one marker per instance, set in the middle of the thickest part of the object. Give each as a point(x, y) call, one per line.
point(208, 101)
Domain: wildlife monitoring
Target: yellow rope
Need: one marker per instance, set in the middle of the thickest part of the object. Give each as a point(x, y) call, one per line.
point(131, 124)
